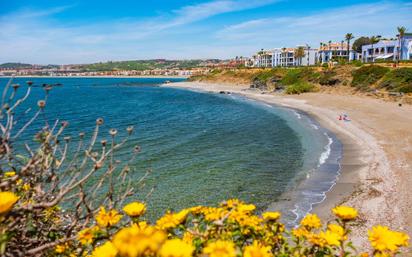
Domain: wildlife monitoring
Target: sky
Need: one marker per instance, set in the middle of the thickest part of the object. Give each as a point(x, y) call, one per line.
point(80, 31)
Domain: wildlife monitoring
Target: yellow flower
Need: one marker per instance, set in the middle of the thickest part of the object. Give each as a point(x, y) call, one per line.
point(196, 210)
point(345, 213)
point(330, 238)
point(105, 250)
point(188, 237)
point(61, 248)
point(311, 221)
point(107, 219)
point(172, 220)
point(9, 174)
point(87, 235)
point(316, 239)
point(381, 239)
point(176, 248)
point(135, 209)
point(300, 232)
point(7, 200)
point(246, 208)
point(245, 220)
point(257, 250)
point(134, 241)
point(220, 248)
point(271, 216)
point(213, 214)
point(26, 187)
point(338, 230)
point(231, 203)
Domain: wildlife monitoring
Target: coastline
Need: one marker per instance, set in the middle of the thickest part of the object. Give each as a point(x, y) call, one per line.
point(376, 153)
point(115, 76)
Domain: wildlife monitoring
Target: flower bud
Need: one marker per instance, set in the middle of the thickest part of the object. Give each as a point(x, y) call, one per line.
point(113, 132)
point(41, 104)
point(99, 121)
point(130, 130)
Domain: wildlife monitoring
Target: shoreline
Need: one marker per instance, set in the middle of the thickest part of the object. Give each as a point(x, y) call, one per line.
point(375, 158)
point(102, 76)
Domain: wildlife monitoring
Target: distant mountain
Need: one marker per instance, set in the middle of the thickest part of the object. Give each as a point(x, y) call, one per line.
point(146, 65)
point(15, 65)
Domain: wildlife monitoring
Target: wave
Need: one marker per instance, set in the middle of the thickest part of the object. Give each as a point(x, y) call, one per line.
point(297, 114)
point(325, 154)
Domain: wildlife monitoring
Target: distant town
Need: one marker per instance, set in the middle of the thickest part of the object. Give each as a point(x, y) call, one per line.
point(363, 49)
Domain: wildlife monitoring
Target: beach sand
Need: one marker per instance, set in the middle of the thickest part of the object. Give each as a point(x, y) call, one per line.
point(377, 153)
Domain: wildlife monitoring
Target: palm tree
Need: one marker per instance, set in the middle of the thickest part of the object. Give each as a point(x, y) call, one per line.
point(401, 31)
point(348, 37)
point(374, 40)
point(299, 54)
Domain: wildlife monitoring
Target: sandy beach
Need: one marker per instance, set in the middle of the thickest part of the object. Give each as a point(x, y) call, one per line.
point(376, 166)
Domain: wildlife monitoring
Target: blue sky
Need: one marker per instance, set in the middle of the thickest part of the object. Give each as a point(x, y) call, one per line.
point(63, 32)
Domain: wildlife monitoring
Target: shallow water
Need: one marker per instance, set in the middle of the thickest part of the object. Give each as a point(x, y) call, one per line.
point(201, 148)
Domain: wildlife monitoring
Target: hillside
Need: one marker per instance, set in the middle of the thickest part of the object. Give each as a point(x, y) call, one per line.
point(373, 80)
point(145, 65)
point(15, 65)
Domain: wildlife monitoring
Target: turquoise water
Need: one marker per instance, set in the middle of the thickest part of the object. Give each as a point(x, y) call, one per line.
point(201, 148)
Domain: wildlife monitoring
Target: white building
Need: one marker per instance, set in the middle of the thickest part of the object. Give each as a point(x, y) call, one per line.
point(335, 51)
point(389, 50)
point(282, 57)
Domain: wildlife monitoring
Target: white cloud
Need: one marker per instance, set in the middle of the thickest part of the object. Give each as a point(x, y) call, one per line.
point(362, 19)
point(36, 37)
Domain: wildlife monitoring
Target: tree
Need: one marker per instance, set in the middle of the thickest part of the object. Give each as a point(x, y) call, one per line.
point(374, 40)
point(348, 37)
point(359, 42)
point(401, 31)
point(299, 54)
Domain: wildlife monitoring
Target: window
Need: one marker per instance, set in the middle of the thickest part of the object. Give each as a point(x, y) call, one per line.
point(390, 49)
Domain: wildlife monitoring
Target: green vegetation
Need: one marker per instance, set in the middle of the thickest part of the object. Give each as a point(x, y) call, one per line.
point(399, 80)
point(300, 87)
point(305, 79)
point(297, 75)
point(142, 65)
point(15, 65)
point(265, 75)
point(359, 42)
point(367, 76)
point(327, 78)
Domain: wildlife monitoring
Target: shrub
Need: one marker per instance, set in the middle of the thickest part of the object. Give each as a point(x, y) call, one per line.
point(327, 78)
point(399, 80)
point(231, 229)
point(357, 63)
point(296, 75)
point(366, 76)
point(36, 181)
point(265, 75)
point(299, 87)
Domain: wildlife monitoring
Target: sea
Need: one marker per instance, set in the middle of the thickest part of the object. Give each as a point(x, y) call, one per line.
point(200, 148)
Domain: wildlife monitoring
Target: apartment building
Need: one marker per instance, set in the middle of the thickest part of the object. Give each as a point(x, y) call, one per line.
point(389, 50)
point(335, 51)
